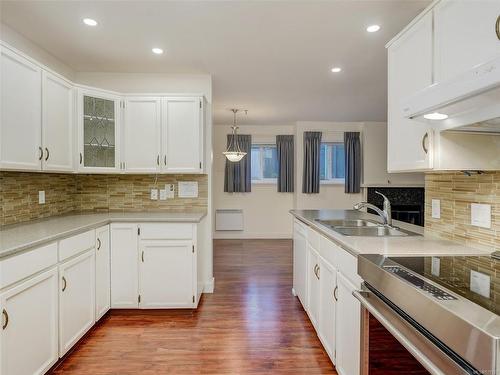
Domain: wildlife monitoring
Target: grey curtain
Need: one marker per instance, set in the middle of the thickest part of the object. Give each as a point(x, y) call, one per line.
point(310, 176)
point(352, 147)
point(286, 155)
point(238, 176)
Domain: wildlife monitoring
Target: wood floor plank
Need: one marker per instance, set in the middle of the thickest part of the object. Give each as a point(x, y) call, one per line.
point(251, 325)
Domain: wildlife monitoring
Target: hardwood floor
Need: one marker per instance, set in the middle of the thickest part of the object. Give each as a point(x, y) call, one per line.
point(251, 325)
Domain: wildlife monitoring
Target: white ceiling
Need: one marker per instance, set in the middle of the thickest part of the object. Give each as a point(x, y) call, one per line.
point(271, 57)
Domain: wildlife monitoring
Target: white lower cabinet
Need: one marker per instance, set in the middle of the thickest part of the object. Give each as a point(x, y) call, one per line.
point(124, 266)
point(29, 335)
point(300, 262)
point(76, 299)
point(327, 306)
point(313, 285)
point(102, 272)
point(347, 328)
point(166, 274)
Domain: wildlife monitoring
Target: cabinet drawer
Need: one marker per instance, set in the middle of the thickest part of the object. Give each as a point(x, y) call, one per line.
point(300, 227)
point(328, 250)
point(76, 244)
point(347, 264)
point(166, 231)
point(20, 266)
point(313, 238)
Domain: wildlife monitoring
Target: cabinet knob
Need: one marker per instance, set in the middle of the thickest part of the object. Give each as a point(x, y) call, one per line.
point(6, 319)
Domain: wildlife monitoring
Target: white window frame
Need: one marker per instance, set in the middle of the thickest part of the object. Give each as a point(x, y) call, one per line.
point(329, 180)
point(263, 181)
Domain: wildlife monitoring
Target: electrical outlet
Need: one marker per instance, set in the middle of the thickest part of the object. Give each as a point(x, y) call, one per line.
point(436, 209)
point(154, 194)
point(480, 283)
point(480, 215)
point(435, 266)
point(163, 194)
point(41, 197)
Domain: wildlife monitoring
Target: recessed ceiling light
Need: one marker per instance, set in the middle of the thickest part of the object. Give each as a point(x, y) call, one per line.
point(436, 116)
point(336, 69)
point(373, 28)
point(89, 22)
point(157, 51)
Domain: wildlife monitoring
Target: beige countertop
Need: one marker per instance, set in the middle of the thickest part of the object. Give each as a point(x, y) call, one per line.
point(19, 237)
point(420, 245)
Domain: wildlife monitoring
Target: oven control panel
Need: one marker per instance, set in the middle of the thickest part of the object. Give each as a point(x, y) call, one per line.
point(420, 283)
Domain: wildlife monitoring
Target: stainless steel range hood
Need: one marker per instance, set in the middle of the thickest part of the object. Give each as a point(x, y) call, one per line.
point(470, 102)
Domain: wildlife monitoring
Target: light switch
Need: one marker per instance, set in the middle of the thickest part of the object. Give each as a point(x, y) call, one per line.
point(480, 283)
point(154, 194)
point(170, 190)
point(436, 209)
point(41, 197)
point(163, 194)
point(436, 265)
point(480, 215)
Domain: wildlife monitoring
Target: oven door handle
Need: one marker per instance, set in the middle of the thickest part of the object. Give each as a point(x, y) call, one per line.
point(412, 339)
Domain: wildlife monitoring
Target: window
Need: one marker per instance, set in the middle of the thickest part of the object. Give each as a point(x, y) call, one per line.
point(264, 163)
point(332, 163)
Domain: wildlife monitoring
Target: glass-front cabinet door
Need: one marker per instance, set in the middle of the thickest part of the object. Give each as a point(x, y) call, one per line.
point(99, 131)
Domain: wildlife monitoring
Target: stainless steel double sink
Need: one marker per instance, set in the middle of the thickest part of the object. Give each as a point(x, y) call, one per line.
point(363, 228)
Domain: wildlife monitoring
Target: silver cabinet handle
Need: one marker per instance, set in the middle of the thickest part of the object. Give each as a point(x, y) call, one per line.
point(165, 160)
point(142, 257)
point(48, 154)
point(41, 153)
point(6, 319)
point(424, 140)
point(335, 293)
point(65, 283)
point(158, 160)
point(98, 244)
point(81, 158)
point(317, 272)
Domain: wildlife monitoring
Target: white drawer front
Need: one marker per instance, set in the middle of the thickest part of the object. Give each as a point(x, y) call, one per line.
point(300, 227)
point(313, 238)
point(76, 244)
point(348, 266)
point(20, 266)
point(170, 231)
point(329, 250)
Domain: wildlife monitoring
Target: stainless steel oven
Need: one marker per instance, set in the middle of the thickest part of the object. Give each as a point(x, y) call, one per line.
point(414, 322)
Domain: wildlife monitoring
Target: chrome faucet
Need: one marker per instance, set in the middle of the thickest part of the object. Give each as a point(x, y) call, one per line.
point(385, 214)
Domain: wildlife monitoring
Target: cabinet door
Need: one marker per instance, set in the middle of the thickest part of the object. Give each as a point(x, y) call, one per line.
point(409, 144)
point(348, 312)
point(464, 36)
point(300, 265)
point(76, 299)
point(166, 274)
point(142, 135)
point(182, 135)
point(327, 302)
point(28, 343)
point(102, 272)
point(124, 266)
point(20, 114)
point(57, 123)
point(313, 286)
point(98, 131)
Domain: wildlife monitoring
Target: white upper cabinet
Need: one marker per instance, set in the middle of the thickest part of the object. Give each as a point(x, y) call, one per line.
point(182, 134)
point(20, 112)
point(98, 131)
point(409, 143)
point(142, 135)
point(465, 36)
point(57, 123)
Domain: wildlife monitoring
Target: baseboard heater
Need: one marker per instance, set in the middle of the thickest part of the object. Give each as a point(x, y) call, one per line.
point(227, 219)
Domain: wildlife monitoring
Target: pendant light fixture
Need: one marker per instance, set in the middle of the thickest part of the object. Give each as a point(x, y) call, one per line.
point(233, 152)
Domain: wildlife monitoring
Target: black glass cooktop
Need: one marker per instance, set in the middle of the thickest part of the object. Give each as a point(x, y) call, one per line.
point(472, 277)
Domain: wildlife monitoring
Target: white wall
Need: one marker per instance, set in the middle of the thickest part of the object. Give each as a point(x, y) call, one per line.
point(26, 46)
point(330, 196)
point(265, 210)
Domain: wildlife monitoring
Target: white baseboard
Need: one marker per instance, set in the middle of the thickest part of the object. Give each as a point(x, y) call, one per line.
point(209, 286)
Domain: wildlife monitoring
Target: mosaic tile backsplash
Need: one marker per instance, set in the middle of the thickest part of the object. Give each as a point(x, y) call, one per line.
point(456, 192)
point(65, 193)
